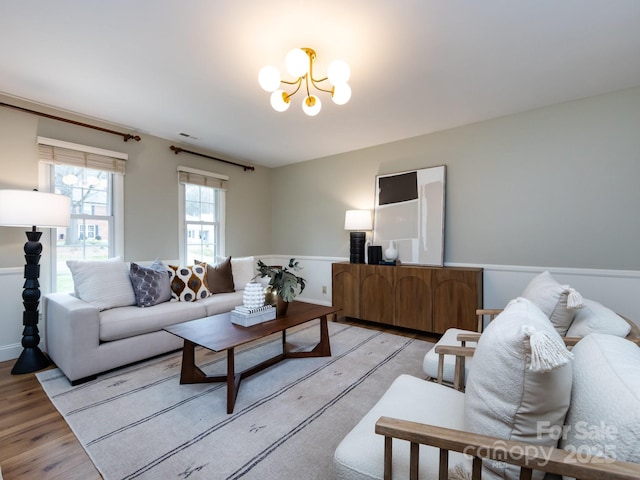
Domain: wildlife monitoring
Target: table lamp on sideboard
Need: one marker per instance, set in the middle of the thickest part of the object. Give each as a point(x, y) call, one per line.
point(358, 222)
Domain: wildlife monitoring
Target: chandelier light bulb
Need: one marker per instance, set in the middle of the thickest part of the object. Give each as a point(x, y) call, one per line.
point(341, 94)
point(338, 72)
point(311, 105)
point(269, 78)
point(280, 101)
point(297, 62)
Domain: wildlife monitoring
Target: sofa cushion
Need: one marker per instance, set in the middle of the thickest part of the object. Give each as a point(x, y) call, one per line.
point(558, 302)
point(188, 283)
point(244, 269)
point(125, 322)
point(151, 284)
point(521, 375)
point(604, 417)
point(219, 276)
point(222, 302)
point(360, 455)
point(103, 283)
point(596, 318)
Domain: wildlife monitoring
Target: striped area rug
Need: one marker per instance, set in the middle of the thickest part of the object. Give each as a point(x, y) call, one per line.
point(140, 423)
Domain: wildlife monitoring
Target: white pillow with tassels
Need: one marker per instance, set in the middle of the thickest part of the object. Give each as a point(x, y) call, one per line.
point(558, 302)
point(519, 384)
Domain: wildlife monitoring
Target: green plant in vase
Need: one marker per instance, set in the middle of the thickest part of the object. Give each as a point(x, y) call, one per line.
point(283, 281)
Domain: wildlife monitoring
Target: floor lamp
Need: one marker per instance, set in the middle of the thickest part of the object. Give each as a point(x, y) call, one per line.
point(357, 221)
point(25, 208)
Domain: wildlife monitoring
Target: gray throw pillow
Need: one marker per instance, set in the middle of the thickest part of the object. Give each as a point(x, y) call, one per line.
point(151, 284)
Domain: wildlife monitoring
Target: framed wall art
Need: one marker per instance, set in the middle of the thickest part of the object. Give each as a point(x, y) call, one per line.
point(409, 214)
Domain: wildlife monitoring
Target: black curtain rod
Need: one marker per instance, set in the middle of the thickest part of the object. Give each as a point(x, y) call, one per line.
point(177, 150)
point(126, 136)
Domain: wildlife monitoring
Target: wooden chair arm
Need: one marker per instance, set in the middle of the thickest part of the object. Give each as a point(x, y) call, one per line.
point(491, 312)
point(468, 337)
point(458, 374)
point(528, 456)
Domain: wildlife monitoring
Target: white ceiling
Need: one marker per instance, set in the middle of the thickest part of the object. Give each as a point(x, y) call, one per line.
point(163, 67)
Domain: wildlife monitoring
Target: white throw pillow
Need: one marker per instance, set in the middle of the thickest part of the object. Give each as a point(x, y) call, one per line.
point(558, 302)
point(604, 418)
point(243, 269)
point(521, 376)
point(103, 283)
point(596, 318)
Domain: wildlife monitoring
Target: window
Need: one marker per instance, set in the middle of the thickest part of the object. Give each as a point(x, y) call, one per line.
point(94, 182)
point(201, 215)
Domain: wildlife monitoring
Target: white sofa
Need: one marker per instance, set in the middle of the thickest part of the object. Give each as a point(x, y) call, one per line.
point(587, 405)
point(88, 336)
point(83, 341)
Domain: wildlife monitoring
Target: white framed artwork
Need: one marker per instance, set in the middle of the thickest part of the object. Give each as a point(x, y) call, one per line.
point(409, 210)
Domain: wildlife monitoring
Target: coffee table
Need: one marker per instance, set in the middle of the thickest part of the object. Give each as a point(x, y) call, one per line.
point(218, 334)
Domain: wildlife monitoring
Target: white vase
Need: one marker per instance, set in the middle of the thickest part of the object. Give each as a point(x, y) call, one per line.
point(253, 296)
point(391, 253)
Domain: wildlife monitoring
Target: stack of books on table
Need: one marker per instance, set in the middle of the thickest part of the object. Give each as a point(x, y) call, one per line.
point(252, 316)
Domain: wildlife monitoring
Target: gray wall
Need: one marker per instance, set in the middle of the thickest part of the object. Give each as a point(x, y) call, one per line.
point(151, 187)
point(557, 186)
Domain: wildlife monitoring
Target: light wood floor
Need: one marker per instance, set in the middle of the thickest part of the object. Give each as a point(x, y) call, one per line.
point(35, 441)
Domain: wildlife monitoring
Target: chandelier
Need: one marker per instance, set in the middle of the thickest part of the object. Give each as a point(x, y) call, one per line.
point(299, 63)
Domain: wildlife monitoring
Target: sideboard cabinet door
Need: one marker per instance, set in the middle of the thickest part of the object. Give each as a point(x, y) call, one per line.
point(345, 288)
point(412, 298)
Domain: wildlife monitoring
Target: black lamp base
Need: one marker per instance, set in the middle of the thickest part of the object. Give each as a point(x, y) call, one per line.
point(357, 240)
point(30, 360)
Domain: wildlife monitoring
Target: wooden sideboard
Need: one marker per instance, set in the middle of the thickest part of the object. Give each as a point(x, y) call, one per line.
point(429, 299)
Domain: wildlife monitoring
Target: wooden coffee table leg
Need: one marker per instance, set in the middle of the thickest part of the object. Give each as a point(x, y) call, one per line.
point(189, 372)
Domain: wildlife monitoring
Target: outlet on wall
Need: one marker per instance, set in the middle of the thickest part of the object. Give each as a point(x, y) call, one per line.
point(324, 289)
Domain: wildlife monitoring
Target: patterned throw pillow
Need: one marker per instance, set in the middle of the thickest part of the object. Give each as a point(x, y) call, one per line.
point(151, 284)
point(188, 284)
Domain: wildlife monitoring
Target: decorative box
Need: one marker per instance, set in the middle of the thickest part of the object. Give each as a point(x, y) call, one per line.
point(247, 317)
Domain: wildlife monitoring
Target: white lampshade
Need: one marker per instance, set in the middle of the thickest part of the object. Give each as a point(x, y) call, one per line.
point(297, 62)
point(341, 94)
point(338, 72)
point(358, 220)
point(278, 102)
point(27, 208)
point(269, 78)
point(311, 105)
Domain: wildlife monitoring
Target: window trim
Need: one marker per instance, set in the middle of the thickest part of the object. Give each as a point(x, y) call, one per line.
point(182, 243)
point(45, 183)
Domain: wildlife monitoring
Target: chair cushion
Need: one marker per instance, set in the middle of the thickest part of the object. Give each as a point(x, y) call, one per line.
point(596, 318)
point(604, 417)
point(553, 299)
point(360, 455)
point(430, 362)
point(521, 375)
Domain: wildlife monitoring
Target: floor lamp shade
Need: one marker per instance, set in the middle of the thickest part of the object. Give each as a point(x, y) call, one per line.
point(357, 221)
point(24, 208)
